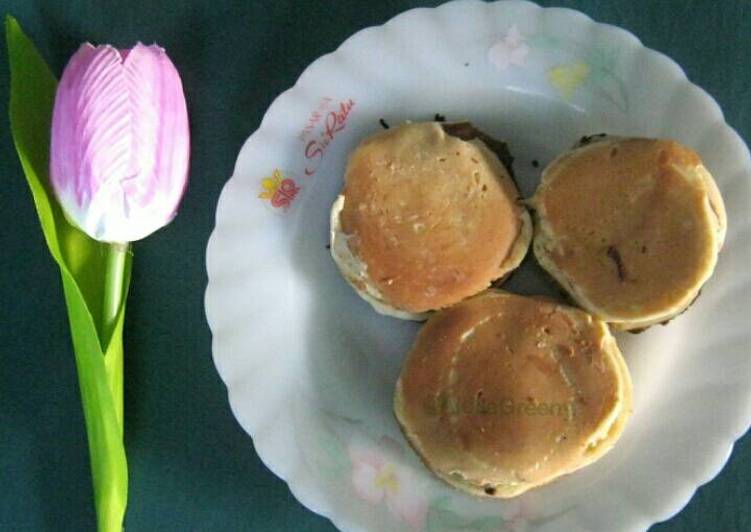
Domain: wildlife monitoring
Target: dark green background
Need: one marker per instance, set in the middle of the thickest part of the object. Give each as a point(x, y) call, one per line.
point(191, 466)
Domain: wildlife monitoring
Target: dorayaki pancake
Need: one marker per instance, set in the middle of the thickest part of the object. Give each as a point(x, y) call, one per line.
point(501, 393)
point(426, 219)
point(630, 227)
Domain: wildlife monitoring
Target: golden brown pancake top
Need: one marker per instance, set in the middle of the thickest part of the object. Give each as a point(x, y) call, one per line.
point(505, 388)
point(432, 217)
point(629, 223)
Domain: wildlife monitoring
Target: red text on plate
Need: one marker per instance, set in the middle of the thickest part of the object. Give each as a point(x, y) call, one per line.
point(333, 123)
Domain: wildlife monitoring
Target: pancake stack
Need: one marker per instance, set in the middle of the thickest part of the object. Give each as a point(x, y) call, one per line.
point(502, 393)
point(426, 219)
point(630, 228)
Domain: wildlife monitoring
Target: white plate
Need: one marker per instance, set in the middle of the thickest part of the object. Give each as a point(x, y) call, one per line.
point(310, 368)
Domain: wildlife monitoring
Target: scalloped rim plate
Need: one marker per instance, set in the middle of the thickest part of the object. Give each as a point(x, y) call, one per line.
point(310, 368)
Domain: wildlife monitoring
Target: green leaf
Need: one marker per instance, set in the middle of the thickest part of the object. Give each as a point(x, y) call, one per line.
point(82, 263)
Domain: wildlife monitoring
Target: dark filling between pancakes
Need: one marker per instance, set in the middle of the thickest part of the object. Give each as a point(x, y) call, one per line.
point(466, 131)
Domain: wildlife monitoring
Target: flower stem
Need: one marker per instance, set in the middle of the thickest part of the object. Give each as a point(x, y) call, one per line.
point(111, 304)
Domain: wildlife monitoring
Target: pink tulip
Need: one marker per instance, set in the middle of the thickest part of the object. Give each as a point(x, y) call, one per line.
point(120, 141)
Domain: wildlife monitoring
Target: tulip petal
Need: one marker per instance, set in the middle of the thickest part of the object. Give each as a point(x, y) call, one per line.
point(159, 119)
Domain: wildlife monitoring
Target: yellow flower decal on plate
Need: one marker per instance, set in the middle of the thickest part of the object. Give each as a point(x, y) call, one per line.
point(568, 78)
point(271, 185)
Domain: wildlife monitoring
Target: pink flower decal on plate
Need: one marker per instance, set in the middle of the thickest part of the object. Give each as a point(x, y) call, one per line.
point(512, 50)
point(377, 477)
